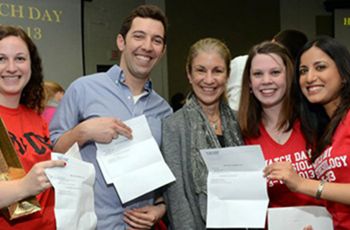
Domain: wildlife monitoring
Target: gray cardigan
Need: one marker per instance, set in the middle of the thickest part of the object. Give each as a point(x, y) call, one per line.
point(187, 209)
point(182, 205)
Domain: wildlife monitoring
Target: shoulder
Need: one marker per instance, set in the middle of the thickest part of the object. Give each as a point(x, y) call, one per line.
point(157, 98)
point(29, 112)
point(176, 118)
point(159, 104)
point(89, 80)
point(176, 123)
point(239, 60)
point(33, 119)
point(345, 123)
point(101, 78)
point(347, 116)
point(87, 86)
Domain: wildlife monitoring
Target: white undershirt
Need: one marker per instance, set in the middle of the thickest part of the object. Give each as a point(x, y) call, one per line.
point(137, 97)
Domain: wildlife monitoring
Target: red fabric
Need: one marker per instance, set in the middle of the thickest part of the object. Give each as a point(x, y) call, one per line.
point(30, 135)
point(294, 151)
point(160, 226)
point(333, 166)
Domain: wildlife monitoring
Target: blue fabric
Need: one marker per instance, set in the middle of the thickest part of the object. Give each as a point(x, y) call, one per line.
point(105, 95)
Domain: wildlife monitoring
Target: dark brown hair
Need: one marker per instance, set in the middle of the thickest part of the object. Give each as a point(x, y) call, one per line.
point(293, 40)
point(317, 127)
point(250, 112)
point(33, 93)
point(144, 11)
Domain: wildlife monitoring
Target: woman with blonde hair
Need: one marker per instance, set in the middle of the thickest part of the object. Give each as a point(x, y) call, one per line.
point(53, 95)
point(205, 121)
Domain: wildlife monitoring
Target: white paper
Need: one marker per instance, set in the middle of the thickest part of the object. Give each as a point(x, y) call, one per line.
point(237, 190)
point(135, 167)
point(295, 218)
point(74, 195)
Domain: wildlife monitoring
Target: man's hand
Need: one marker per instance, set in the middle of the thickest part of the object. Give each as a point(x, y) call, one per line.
point(144, 218)
point(102, 130)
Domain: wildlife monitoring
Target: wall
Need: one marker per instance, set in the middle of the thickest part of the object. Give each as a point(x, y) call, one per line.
point(306, 16)
point(103, 19)
point(240, 24)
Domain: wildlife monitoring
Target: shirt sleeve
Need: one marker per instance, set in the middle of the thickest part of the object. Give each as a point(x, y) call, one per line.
point(67, 115)
point(178, 206)
point(234, 83)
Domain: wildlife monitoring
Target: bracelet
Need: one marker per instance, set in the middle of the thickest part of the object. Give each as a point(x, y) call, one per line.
point(159, 203)
point(320, 189)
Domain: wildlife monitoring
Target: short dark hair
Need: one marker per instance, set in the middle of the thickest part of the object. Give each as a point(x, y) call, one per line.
point(33, 93)
point(144, 11)
point(293, 40)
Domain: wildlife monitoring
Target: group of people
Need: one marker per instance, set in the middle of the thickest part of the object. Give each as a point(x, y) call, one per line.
point(295, 107)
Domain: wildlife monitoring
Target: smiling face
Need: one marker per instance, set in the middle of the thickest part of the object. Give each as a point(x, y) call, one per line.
point(142, 47)
point(15, 67)
point(268, 79)
point(208, 77)
point(320, 80)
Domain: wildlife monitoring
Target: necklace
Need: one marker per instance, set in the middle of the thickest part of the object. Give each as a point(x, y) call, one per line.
point(214, 123)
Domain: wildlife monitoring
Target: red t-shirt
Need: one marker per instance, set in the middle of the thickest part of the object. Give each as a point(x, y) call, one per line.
point(294, 151)
point(30, 136)
point(333, 166)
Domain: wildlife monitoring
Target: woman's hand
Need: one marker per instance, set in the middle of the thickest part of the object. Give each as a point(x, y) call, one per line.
point(144, 218)
point(36, 181)
point(285, 172)
point(308, 227)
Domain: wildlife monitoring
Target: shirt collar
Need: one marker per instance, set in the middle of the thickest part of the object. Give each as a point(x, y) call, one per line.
point(117, 75)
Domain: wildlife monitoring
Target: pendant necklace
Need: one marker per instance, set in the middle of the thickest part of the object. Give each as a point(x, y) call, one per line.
point(214, 123)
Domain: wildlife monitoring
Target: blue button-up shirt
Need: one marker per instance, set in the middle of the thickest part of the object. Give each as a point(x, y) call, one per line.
point(106, 95)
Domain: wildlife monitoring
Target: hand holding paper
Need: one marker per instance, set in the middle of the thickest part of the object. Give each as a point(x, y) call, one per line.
point(36, 181)
point(104, 129)
point(138, 160)
point(237, 191)
point(74, 197)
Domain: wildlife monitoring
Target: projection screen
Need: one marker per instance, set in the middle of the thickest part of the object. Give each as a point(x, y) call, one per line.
point(55, 27)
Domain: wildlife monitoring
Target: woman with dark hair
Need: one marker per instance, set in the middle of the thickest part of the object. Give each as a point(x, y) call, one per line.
point(323, 74)
point(268, 117)
point(21, 102)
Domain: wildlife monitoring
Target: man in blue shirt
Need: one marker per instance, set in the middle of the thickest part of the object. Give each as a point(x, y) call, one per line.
point(94, 107)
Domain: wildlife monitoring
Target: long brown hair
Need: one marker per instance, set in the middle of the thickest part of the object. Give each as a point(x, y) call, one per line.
point(250, 112)
point(33, 93)
point(317, 127)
